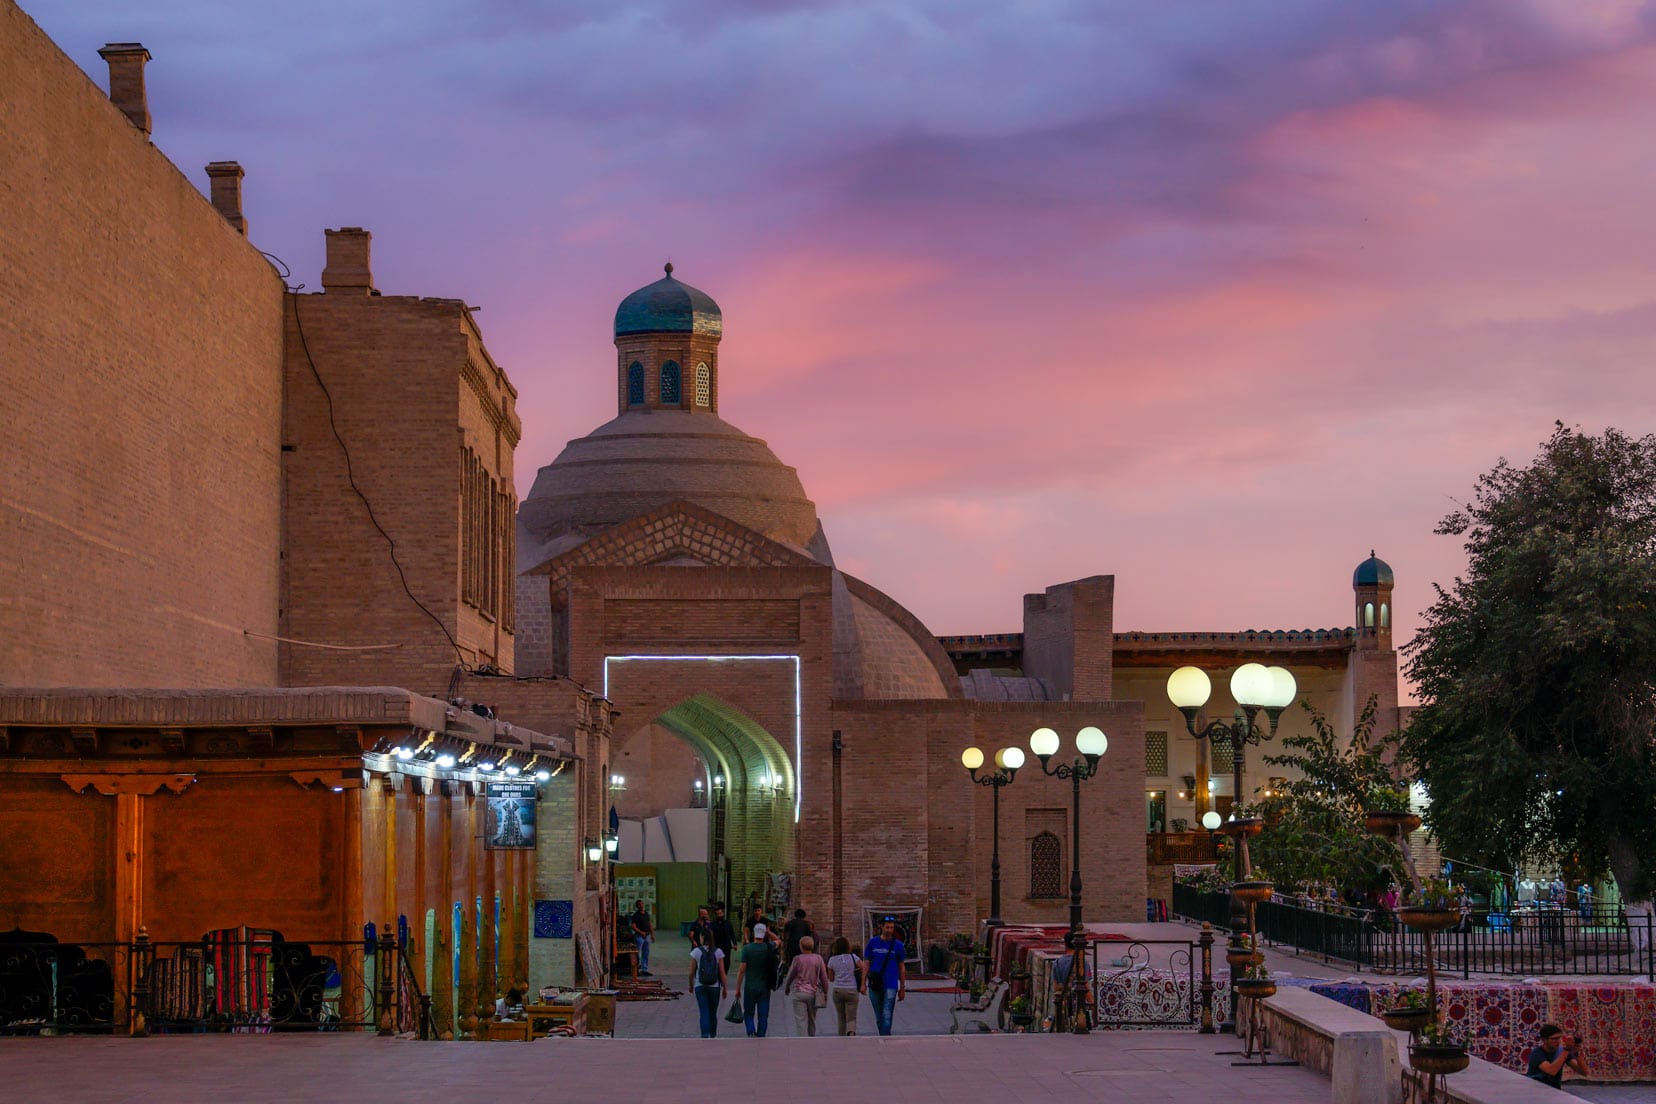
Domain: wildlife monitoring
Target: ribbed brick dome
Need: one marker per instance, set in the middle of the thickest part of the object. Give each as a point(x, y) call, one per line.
point(645, 459)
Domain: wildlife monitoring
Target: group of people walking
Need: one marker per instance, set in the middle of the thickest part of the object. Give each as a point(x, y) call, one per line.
point(789, 961)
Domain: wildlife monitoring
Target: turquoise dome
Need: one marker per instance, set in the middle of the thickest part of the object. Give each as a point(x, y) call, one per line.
point(668, 306)
point(1372, 572)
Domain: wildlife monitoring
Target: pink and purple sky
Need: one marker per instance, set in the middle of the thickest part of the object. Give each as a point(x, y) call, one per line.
point(1213, 296)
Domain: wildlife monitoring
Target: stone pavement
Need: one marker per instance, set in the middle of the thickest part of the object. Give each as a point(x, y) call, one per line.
point(1127, 1067)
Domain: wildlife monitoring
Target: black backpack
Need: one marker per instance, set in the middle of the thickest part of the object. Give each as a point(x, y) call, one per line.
point(707, 967)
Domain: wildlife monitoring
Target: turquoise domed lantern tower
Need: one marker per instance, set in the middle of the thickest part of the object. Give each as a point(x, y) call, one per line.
point(667, 348)
point(1372, 582)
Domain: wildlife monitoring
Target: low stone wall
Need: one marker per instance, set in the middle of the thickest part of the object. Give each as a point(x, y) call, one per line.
point(1357, 1052)
point(1366, 1062)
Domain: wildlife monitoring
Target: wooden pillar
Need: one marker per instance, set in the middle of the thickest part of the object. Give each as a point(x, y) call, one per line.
point(129, 892)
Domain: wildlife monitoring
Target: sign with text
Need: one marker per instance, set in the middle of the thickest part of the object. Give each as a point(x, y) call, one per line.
point(511, 818)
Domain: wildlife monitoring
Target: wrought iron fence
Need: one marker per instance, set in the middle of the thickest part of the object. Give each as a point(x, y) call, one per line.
point(257, 983)
point(1526, 940)
point(1152, 983)
point(62, 988)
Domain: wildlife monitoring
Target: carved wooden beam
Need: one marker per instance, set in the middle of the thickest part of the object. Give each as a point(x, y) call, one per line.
point(172, 740)
point(333, 779)
point(5, 738)
point(141, 784)
point(85, 740)
point(261, 739)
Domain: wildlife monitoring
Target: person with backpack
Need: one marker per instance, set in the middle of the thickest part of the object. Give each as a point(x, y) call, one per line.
point(887, 975)
point(756, 977)
point(708, 979)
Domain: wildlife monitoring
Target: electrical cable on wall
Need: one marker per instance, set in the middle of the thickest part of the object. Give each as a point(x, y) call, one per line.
point(350, 477)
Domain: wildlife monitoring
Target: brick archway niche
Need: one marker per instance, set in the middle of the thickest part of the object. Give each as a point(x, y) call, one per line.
point(751, 782)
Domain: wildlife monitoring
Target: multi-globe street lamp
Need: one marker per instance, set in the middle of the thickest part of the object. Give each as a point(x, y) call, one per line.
point(1007, 762)
point(1091, 743)
point(1256, 689)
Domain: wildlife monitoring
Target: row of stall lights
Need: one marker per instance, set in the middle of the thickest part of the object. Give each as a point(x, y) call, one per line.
point(447, 761)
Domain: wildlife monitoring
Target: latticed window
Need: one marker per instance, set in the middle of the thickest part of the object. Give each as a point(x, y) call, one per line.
point(704, 385)
point(1222, 760)
point(671, 393)
point(1155, 754)
point(1046, 866)
point(635, 384)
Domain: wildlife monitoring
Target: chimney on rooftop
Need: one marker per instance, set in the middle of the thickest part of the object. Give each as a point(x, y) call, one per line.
point(347, 272)
point(126, 80)
point(226, 178)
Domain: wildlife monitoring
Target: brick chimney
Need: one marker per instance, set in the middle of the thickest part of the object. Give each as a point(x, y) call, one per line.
point(126, 80)
point(347, 272)
point(226, 178)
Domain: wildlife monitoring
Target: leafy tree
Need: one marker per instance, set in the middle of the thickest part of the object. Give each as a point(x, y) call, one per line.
point(1314, 827)
point(1538, 667)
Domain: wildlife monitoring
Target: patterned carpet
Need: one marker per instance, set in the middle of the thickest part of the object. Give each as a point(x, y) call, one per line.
point(1615, 1023)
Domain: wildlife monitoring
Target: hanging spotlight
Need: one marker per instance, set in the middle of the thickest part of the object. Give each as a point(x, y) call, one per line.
point(404, 753)
point(446, 761)
point(543, 776)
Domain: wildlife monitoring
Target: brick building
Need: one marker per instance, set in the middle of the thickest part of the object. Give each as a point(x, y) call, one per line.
point(675, 562)
point(256, 620)
point(265, 565)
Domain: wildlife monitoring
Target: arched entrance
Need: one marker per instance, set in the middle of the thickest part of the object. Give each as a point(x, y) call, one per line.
point(747, 780)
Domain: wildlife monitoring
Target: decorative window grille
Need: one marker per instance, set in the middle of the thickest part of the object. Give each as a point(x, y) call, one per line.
point(671, 393)
point(1155, 754)
point(1221, 755)
point(704, 385)
point(1046, 866)
point(635, 384)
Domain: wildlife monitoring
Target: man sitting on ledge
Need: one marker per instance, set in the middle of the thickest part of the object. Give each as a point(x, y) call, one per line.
point(1547, 1061)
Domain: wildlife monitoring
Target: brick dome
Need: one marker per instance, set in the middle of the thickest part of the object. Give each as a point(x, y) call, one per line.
point(645, 459)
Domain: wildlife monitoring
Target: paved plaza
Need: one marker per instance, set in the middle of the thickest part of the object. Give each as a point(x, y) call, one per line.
point(1141, 1067)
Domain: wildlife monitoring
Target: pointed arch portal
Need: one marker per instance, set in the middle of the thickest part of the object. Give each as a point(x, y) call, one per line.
point(740, 729)
point(751, 824)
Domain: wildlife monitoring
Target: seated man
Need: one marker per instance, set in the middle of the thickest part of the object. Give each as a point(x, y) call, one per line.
point(1547, 1061)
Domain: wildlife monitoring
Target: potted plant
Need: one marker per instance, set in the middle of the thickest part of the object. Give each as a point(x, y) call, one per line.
point(1244, 953)
point(1256, 888)
point(1433, 906)
point(1256, 983)
point(1017, 973)
point(1386, 812)
point(1022, 1017)
point(1440, 1050)
point(1411, 1011)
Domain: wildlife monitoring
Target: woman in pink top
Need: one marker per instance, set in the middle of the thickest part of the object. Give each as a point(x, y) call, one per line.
point(806, 986)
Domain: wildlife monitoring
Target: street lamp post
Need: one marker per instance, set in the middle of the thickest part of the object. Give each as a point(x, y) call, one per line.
point(1007, 762)
point(1256, 688)
point(1091, 743)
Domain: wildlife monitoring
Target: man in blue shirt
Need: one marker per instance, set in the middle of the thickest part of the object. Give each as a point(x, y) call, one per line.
point(887, 976)
point(1547, 1061)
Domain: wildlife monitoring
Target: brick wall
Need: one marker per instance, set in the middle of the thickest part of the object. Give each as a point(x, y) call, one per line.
point(140, 518)
point(1069, 637)
point(411, 388)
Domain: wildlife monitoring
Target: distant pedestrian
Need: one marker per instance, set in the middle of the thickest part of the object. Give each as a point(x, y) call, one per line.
point(642, 931)
point(724, 936)
point(845, 971)
point(1584, 903)
point(792, 932)
point(701, 928)
point(753, 976)
point(1465, 905)
point(708, 979)
point(806, 985)
point(887, 974)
